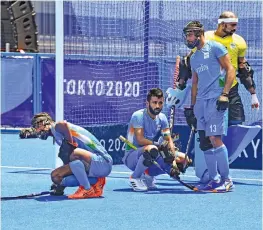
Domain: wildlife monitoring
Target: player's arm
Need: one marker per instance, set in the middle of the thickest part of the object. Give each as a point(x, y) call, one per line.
point(137, 124)
point(189, 112)
point(67, 146)
point(169, 139)
point(139, 134)
point(62, 127)
point(223, 102)
point(166, 133)
point(230, 72)
point(245, 74)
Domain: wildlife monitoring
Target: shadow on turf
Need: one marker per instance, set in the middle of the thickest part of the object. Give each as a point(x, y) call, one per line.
point(160, 191)
point(51, 198)
point(58, 198)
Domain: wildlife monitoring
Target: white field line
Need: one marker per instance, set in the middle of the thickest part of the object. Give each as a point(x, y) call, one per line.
point(119, 172)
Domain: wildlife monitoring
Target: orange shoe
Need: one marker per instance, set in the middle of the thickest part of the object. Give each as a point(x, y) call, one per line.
point(98, 187)
point(82, 193)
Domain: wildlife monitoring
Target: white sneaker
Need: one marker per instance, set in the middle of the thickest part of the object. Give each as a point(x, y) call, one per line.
point(149, 181)
point(138, 185)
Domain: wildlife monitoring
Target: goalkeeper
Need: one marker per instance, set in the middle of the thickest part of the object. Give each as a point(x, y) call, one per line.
point(82, 155)
point(146, 126)
point(236, 46)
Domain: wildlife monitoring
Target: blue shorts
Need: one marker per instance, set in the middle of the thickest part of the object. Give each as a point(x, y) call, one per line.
point(131, 158)
point(209, 119)
point(99, 167)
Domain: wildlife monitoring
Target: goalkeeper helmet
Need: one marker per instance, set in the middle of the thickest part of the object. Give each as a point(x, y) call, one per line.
point(197, 29)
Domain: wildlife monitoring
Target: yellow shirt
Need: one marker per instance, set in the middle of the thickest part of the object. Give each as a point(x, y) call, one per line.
point(235, 44)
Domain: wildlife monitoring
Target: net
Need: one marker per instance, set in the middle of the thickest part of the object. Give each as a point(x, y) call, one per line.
point(117, 50)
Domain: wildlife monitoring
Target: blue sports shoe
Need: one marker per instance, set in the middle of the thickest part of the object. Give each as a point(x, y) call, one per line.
point(212, 186)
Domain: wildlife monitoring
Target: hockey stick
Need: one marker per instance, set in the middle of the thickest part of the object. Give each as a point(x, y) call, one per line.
point(25, 196)
point(123, 139)
point(187, 151)
point(175, 80)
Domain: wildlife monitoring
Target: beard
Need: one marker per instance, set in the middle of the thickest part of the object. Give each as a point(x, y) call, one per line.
point(154, 111)
point(229, 33)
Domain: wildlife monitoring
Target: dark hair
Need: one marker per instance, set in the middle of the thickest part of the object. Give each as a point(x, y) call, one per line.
point(45, 117)
point(227, 14)
point(195, 26)
point(154, 92)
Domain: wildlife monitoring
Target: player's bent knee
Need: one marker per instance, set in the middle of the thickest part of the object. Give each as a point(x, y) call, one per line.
point(59, 173)
point(154, 153)
point(56, 177)
point(205, 143)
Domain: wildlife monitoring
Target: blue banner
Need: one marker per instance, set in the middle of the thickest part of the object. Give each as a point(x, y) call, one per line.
point(99, 92)
point(251, 157)
point(16, 91)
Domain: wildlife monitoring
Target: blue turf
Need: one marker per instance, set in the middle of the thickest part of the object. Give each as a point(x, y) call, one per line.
point(170, 207)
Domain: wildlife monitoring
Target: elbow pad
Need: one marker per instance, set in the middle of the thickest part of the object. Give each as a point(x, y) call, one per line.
point(246, 76)
point(185, 72)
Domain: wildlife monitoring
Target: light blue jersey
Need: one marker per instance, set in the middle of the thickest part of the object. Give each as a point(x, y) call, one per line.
point(151, 127)
point(205, 62)
point(83, 138)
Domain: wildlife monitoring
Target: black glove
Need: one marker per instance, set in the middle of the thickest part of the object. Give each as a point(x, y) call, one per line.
point(57, 190)
point(185, 72)
point(190, 117)
point(222, 102)
point(182, 168)
point(65, 151)
point(174, 172)
point(28, 133)
point(166, 153)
